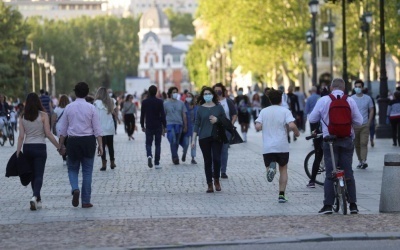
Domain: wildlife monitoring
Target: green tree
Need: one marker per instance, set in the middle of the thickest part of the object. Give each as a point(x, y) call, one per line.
point(180, 23)
point(196, 60)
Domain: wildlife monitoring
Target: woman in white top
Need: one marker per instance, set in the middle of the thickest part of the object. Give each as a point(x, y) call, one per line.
point(57, 114)
point(105, 109)
point(34, 127)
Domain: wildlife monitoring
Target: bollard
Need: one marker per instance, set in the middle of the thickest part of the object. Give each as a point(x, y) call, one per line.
point(390, 201)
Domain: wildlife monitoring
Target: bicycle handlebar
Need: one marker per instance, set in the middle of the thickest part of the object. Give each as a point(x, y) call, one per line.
point(313, 136)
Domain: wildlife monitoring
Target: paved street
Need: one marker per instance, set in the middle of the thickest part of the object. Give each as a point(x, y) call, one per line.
point(138, 206)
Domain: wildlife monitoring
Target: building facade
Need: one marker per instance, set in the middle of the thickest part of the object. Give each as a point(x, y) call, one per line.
point(182, 6)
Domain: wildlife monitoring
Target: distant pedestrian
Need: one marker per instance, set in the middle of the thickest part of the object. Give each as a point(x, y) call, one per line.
point(81, 124)
point(231, 114)
point(273, 121)
point(105, 110)
point(294, 107)
point(343, 147)
point(243, 107)
point(372, 126)
point(255, 106)
point(211, 148)
point(310, 104)
point(285, 98)
point(33, 129)
point(186, 138)
point(46, 103)
point(393, 114)
point(366, 108)
point(58, 113)
point(153, 123)
point(128, 115)
point(4, 111)
point(265, 102)
point(300, 113)
point(175, 114)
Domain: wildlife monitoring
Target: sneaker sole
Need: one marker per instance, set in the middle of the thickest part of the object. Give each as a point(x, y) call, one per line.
point(311, 186)
point(271, 172)
point(75, 198)
point(282, 201)
point(326, 212)
point(353, 212)
point(33, 206)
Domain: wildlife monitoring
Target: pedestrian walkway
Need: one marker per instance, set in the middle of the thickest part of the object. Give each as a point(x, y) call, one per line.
point(132, 199)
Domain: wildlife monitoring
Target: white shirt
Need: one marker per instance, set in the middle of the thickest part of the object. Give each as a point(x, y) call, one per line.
point(274, 120)
point(106, 120)
point(58, 111)
point(321, 112)
point(285, 103)
point(224, 104)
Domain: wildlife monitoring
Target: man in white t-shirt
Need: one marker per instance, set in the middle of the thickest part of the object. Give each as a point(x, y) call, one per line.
point(275, 121)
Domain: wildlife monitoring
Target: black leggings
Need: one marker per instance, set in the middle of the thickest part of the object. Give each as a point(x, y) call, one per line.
point(319, 154)
point(212, 157)
point(129, 120)
point(395, 131)
point(108, 140)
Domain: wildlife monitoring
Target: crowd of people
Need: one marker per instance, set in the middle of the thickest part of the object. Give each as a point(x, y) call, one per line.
point(86, 122)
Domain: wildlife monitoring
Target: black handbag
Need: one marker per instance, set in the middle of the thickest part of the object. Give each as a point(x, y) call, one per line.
point(218, 133)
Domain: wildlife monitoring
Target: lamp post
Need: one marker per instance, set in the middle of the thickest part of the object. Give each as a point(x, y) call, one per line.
point(25, 54)
point(314, 8)
point(40, 62)
point(383, 129)
point(47, 71)
point(230, 47)
point(366, 19)
point(329, 30)
point(53, 78)
point(32, 55)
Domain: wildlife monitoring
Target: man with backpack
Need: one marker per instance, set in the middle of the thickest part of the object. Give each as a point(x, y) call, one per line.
point(338, 114)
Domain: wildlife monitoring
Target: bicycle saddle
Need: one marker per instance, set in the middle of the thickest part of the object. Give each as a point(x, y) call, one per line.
point(330, 138)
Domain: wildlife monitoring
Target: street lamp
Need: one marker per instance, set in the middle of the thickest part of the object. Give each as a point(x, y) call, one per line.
point(40, 62)
point(383, 130)
point(25, 53)
point(47, 71)
point(314, 8)
point(32, 55)
point(53, 78)
point(366, 19)
point(230, 47)
point(329, 30)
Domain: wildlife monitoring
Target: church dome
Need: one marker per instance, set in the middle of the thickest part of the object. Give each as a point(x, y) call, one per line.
point(154, 18)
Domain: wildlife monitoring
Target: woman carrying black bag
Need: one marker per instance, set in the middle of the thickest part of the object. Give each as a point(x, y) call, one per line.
point(206, 118)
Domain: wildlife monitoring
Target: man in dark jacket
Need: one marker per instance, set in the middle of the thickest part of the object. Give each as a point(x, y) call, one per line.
point(4, 110)
point(153, 114)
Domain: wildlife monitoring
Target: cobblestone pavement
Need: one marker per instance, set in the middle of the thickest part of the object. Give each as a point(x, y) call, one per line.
point(138, 206)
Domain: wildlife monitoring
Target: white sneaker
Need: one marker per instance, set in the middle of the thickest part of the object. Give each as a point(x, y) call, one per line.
point(33, 203)
point(39, 205)
point(158, 167)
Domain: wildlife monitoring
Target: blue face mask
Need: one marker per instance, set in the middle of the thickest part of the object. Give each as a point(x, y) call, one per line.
point(208, 98)
point(357, 90)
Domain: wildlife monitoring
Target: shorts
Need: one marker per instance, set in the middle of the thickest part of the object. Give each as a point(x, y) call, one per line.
point(244, 118)
point(281, 159)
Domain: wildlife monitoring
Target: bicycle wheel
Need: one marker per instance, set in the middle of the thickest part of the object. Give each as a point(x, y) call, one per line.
point(336, 204)
point(11, 135)
point(308, 164)
point(343, 199)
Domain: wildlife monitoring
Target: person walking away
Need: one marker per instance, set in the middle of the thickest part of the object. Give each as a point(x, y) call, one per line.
point(57, 114)
point(256, 106)
point(4, 111)
point(81, 124)
point(33, 129)
point(175, 113)
point(128, 115)
point(274, 121)
point(366, 108)
point(211, 148)
point(105, 110)
point(326, 110)
point(231, 113)
point(310, 104)
point(393, 114)
point(186, 138)
point(243, 105)
point(265, 102)
point(46, 103)
point(285, 98)
point(153, 123)
point(301, 96)
point(293, 106)
point(373, 122)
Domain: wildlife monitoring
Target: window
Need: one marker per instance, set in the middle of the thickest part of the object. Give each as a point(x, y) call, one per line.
point(176, 58)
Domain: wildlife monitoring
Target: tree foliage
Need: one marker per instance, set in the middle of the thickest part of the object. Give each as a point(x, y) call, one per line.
point(196, 62)
point(180, 23)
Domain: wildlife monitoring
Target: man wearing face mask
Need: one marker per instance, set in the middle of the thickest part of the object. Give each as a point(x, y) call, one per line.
point(366, 108)
point(175, 114)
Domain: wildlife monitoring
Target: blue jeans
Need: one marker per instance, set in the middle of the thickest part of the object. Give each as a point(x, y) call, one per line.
point(36, 156)
point(186, 142)
point(174, 132)
point(343, 150)
point(224, 153)
point(87, 171)
point(156, 135)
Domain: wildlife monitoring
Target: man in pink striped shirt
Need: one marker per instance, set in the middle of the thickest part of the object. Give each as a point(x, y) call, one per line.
point(81, 124)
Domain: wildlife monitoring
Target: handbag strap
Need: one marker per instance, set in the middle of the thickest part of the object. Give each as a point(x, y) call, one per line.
point(60, 116)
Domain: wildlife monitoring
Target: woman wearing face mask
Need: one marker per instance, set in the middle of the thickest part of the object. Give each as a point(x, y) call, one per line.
point(186, 138)
point(231, 114)
point(207, 114)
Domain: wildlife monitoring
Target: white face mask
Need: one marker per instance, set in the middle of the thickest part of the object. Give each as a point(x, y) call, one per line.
point(357, 90)
point(189, 99)
point(174, 96)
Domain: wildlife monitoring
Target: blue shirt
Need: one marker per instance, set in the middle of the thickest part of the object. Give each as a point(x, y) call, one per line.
point(310, 104)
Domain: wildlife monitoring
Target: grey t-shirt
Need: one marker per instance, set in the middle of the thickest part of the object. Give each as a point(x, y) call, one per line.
point(364, 104)
point(174, 111)
point(202, 125)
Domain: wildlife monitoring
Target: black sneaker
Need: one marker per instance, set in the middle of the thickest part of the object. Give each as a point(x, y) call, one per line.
point(311, 184)
point(326, 209)
point(175, 161)
point(194, 161)
point(149, 162)
point(364, 165)
point(353, 208)
point(359, 165)
point(183, 157)
point(224, 176)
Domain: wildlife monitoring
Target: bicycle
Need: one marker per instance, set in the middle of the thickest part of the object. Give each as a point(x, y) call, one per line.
point(10, 133)
point(339, 181)
point(309, 161)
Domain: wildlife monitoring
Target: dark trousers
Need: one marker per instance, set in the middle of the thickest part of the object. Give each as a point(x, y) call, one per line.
point(212, 157)
point(154, 134)
point(108, 140)
point(65, 144)
point(395, 131)
point(300, 120)
point(129, 120)
point(36, 156)
point(319, 154)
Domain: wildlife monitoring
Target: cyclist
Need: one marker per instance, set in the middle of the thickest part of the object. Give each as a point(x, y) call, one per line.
point(4, 111)
point(343, 147)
